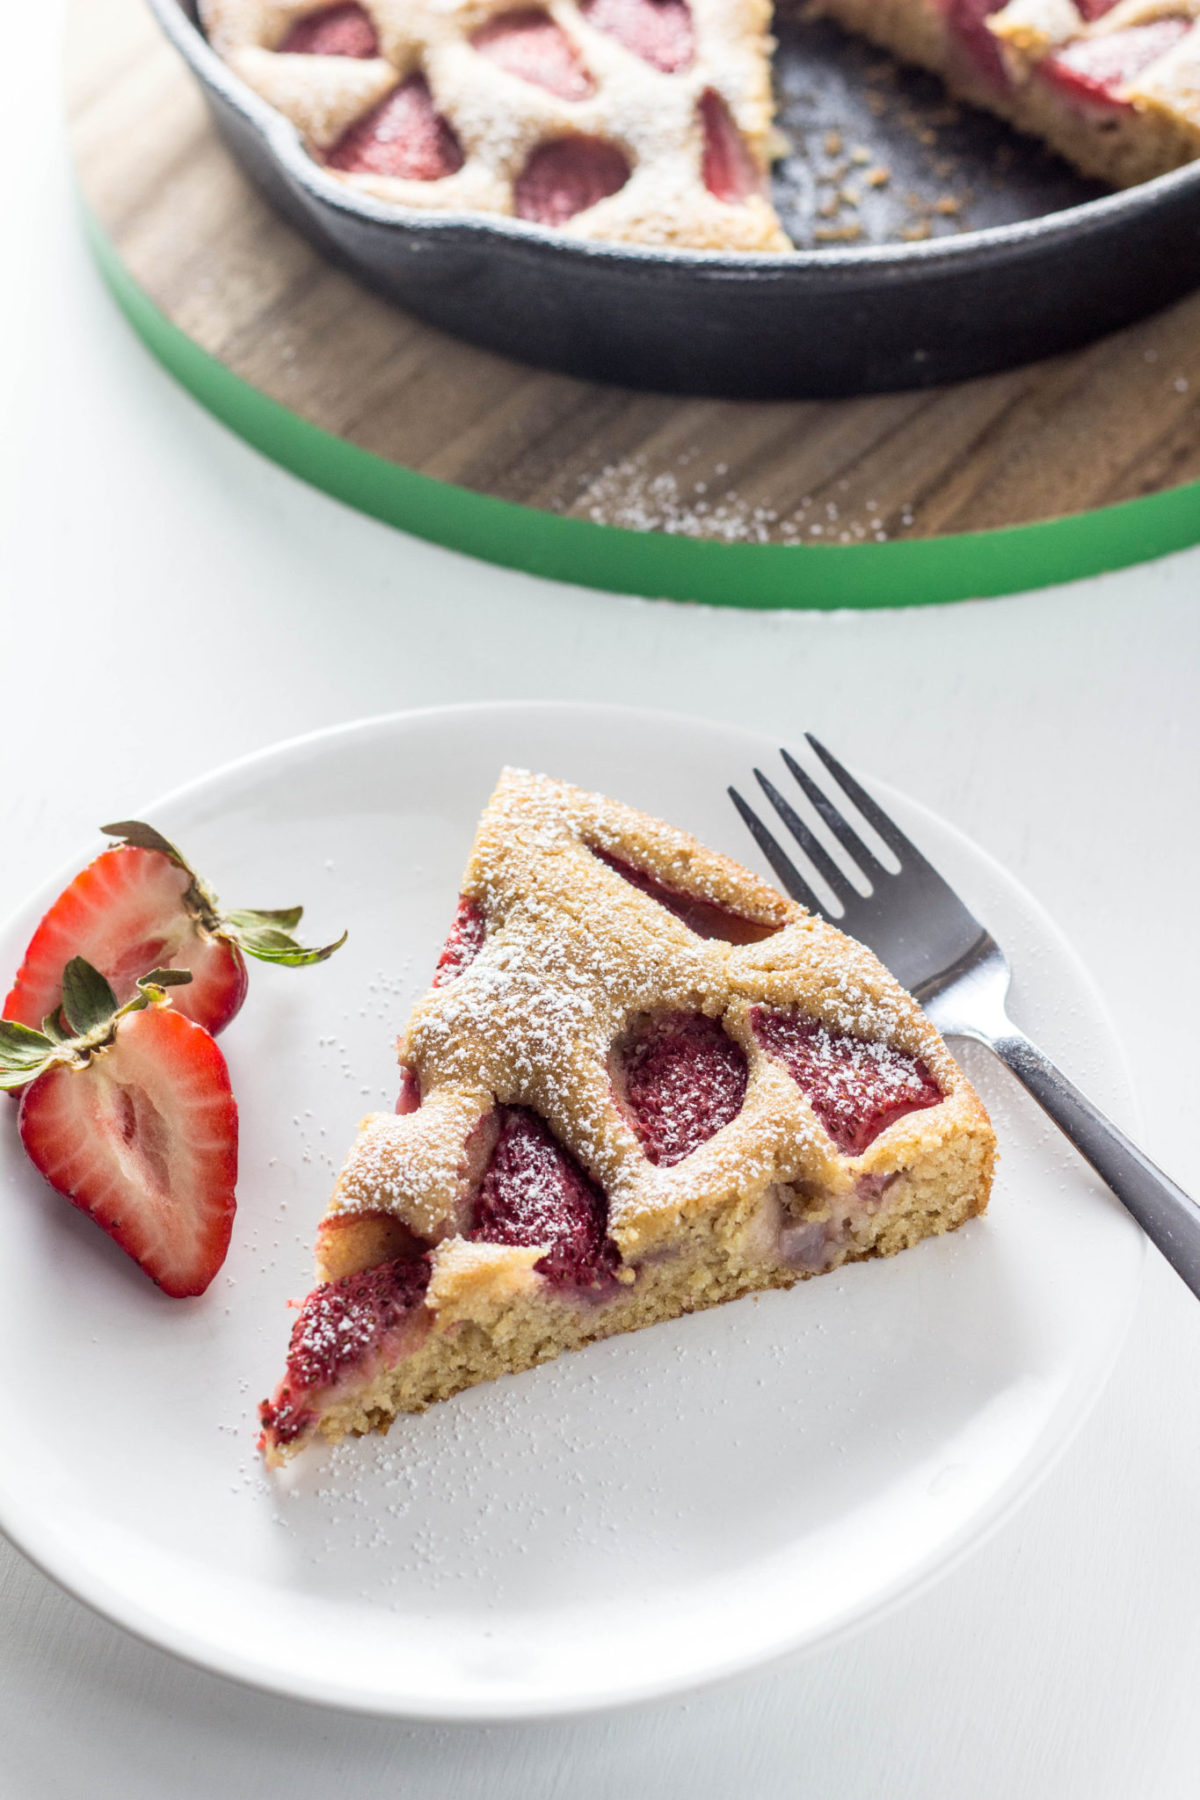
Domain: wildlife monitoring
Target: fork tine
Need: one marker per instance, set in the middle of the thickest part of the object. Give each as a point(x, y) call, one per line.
point(893, 837)
point(811, 846)
point(788, 873)
point(845, 834)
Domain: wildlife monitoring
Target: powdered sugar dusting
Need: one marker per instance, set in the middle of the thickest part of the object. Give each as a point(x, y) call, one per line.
point(342, 1326)
point(683, 1078)
point(342, 1321)
point(857, 1088)
point(535, 1193)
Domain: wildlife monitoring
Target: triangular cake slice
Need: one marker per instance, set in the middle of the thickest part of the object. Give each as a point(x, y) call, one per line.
point(641, 1083)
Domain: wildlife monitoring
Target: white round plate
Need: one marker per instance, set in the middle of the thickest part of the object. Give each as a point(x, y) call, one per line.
point(651, 1513)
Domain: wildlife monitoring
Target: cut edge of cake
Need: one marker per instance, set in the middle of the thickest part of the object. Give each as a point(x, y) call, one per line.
point(1019, 62)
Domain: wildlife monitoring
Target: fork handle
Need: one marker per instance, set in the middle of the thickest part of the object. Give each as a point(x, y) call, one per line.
point(1165, 1213)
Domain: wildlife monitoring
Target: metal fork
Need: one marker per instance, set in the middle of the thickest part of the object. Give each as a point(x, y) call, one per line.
point(920, 930)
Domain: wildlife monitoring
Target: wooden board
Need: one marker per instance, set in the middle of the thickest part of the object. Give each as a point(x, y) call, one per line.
point(1116, 422)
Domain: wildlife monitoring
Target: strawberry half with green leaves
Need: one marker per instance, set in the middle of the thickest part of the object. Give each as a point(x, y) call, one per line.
point(128, 1111)
point(141, 907)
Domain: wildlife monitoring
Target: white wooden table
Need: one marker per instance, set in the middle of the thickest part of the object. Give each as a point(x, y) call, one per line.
point(171, 601)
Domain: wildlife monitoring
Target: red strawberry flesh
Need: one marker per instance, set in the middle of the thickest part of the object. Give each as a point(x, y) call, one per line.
point(856, 1088)
point(144, 1139)
point(404, 137)
point(704, 917)
point(730, 172)
point(124, 913)
point(976, 48)
point(534, 1192)
point(334, 31)
point(659, 31)
point(463, 943)
point(566, 177)
point(682, 1078)
point(409, 1098)
point(531, 46)
point(1098, 69)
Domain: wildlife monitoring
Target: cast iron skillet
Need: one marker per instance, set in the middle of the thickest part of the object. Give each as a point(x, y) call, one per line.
point(1049, 261)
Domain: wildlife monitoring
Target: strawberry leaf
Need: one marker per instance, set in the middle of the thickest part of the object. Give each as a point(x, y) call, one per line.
point(286, 918)
point(268, 937)
point(24, 1053)
point(88, 1001)
point(86, 1021)
point(165, 978)
point(140, 836)
point(56, 1028)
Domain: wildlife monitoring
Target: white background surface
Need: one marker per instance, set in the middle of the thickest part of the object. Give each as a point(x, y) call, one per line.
point(171, 601)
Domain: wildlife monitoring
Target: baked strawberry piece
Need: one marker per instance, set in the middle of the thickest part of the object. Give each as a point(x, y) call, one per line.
point(681, 1078)
point(661, 32)
point(334, 31)
point(463, 943)
point(730, 172)
point(856, 1087)
point(346, 1331)
point(404, 138)
point(529, 45)
point(567, 176)
point(127, 1111)
point(641, 1083)
point(535, 1194)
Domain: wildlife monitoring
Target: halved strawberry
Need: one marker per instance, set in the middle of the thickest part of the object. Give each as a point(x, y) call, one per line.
point(142, 907)
point(128, 1112)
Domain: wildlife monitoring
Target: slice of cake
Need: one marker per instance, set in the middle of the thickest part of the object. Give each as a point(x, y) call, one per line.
point(1113, 85)
point(641, 1083)
point(647, 121)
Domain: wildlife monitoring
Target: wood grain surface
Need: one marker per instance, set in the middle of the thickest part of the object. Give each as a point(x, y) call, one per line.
point(1114, 422)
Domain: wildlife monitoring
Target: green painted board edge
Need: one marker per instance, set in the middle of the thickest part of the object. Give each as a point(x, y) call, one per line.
point(826, 577)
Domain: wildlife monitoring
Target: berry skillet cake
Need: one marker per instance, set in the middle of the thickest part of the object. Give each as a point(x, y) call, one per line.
point(651, 121)
point(642, 1083)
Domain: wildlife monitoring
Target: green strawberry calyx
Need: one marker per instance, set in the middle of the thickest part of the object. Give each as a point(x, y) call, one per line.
point(266, 935)
point(84, 1023)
